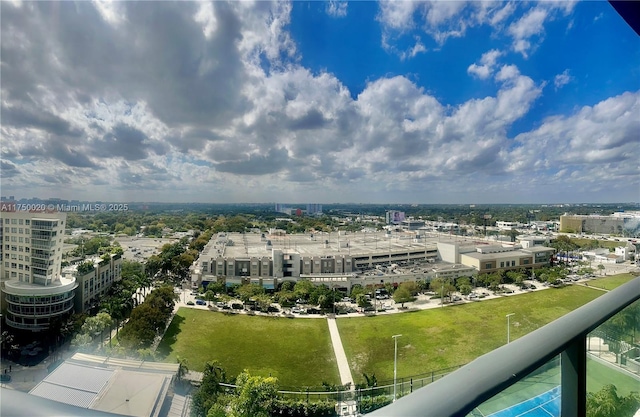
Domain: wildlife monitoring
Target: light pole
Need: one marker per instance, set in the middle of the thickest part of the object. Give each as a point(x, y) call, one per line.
point(509, 327)
point(395, 364)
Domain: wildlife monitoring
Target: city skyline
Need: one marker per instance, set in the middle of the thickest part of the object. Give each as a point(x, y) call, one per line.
point(330, 102)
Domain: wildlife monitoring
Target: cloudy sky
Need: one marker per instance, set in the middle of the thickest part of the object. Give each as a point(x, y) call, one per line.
point(405, 102)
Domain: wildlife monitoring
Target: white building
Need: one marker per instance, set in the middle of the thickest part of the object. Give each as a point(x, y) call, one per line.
point(33, 288)
point(507, 225)
point(94, 280)
point(626, 252)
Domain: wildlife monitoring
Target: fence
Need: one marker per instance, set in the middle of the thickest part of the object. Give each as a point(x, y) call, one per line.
point(404, 386)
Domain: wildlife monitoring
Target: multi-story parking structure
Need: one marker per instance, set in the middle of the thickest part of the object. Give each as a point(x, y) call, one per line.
point(340, 260)
point(33, 288)
point(334, 259)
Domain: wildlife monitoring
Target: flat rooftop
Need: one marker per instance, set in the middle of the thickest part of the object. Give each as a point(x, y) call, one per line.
point(351, 243)
point(120, 386)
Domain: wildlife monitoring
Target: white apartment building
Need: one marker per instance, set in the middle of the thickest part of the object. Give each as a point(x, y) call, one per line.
point(34, 291)
point(94, 280)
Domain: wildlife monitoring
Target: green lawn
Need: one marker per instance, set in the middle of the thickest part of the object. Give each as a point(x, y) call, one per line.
point(602, 243)
point(599, 375)
point(609, 283)
point(441, 338)
point(296, 351)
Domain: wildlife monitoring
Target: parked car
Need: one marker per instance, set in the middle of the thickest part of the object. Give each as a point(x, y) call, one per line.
point(5, 378)
point(200, 302)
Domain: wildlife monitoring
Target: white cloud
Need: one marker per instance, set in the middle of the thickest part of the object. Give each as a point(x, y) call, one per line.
point(397, 15)
point(487, 63)
point(337, 8)
point(598, 142)
point(563, 79)
point(198, 112)
point(530, 24)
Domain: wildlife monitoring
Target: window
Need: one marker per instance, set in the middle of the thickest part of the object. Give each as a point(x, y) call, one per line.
point(6, 221)
point(14, 221)
point(501, 264)
point(14, 230)
point(27, 222)
point(487, 266)
point(21, 230)
point(20, 222)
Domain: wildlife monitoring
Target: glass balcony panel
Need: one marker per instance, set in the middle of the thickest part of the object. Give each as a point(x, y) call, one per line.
point(536, 394)
point(613, 364)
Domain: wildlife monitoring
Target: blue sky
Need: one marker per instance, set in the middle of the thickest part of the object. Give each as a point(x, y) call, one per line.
point(371, 102)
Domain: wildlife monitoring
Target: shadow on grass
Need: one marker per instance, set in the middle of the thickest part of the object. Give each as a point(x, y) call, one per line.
point(170, 336)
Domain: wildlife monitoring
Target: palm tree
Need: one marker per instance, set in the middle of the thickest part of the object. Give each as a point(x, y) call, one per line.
point(183, 368)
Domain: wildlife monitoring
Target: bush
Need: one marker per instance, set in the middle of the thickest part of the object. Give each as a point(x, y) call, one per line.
point(369, 404)
point(301, 408)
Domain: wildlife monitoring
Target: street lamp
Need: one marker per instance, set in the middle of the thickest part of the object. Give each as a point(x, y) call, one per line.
point(395, 364)
point(509, 327)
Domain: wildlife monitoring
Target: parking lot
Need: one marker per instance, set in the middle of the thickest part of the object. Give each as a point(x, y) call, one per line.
point(141, 248)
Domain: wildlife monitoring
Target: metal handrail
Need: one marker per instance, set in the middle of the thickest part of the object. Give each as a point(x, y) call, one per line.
point(458, 393)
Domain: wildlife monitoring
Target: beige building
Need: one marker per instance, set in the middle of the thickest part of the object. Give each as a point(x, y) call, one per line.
point(34, 290)
point(627, 224)
point(94, 282)
point(495, 258)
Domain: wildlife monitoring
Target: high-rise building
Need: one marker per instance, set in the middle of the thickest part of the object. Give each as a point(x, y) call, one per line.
point(34, 291)
point(314, 209)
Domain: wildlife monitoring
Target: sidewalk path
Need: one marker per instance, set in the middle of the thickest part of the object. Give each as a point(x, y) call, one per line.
point(341, 357)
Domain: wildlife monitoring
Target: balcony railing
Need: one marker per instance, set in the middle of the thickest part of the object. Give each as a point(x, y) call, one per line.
point(461, 392)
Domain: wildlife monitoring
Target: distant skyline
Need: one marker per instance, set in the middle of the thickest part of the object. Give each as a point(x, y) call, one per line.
point(446, 102)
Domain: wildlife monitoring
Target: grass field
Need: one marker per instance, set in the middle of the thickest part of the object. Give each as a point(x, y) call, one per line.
point(599, 375)
point(609, 283)
point(298, 352)
point(441, 338)
point(602, 243)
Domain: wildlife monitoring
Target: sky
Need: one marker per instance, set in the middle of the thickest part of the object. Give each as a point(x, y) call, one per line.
point(319, 102)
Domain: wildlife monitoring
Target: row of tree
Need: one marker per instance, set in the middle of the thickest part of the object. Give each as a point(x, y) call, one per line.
point(149, 319)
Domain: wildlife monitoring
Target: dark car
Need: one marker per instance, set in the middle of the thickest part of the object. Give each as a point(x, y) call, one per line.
point(5, 378)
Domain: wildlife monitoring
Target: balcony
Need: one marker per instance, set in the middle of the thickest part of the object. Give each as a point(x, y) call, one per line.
point(555, 360)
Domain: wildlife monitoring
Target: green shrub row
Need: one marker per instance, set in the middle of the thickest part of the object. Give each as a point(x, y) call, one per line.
point(301, 408)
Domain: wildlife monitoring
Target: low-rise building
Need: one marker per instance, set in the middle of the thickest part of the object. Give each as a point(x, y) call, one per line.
point(490, 259)
point(94, 277)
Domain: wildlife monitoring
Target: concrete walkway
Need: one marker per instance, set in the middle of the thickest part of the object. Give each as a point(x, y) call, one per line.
point(341, 357)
